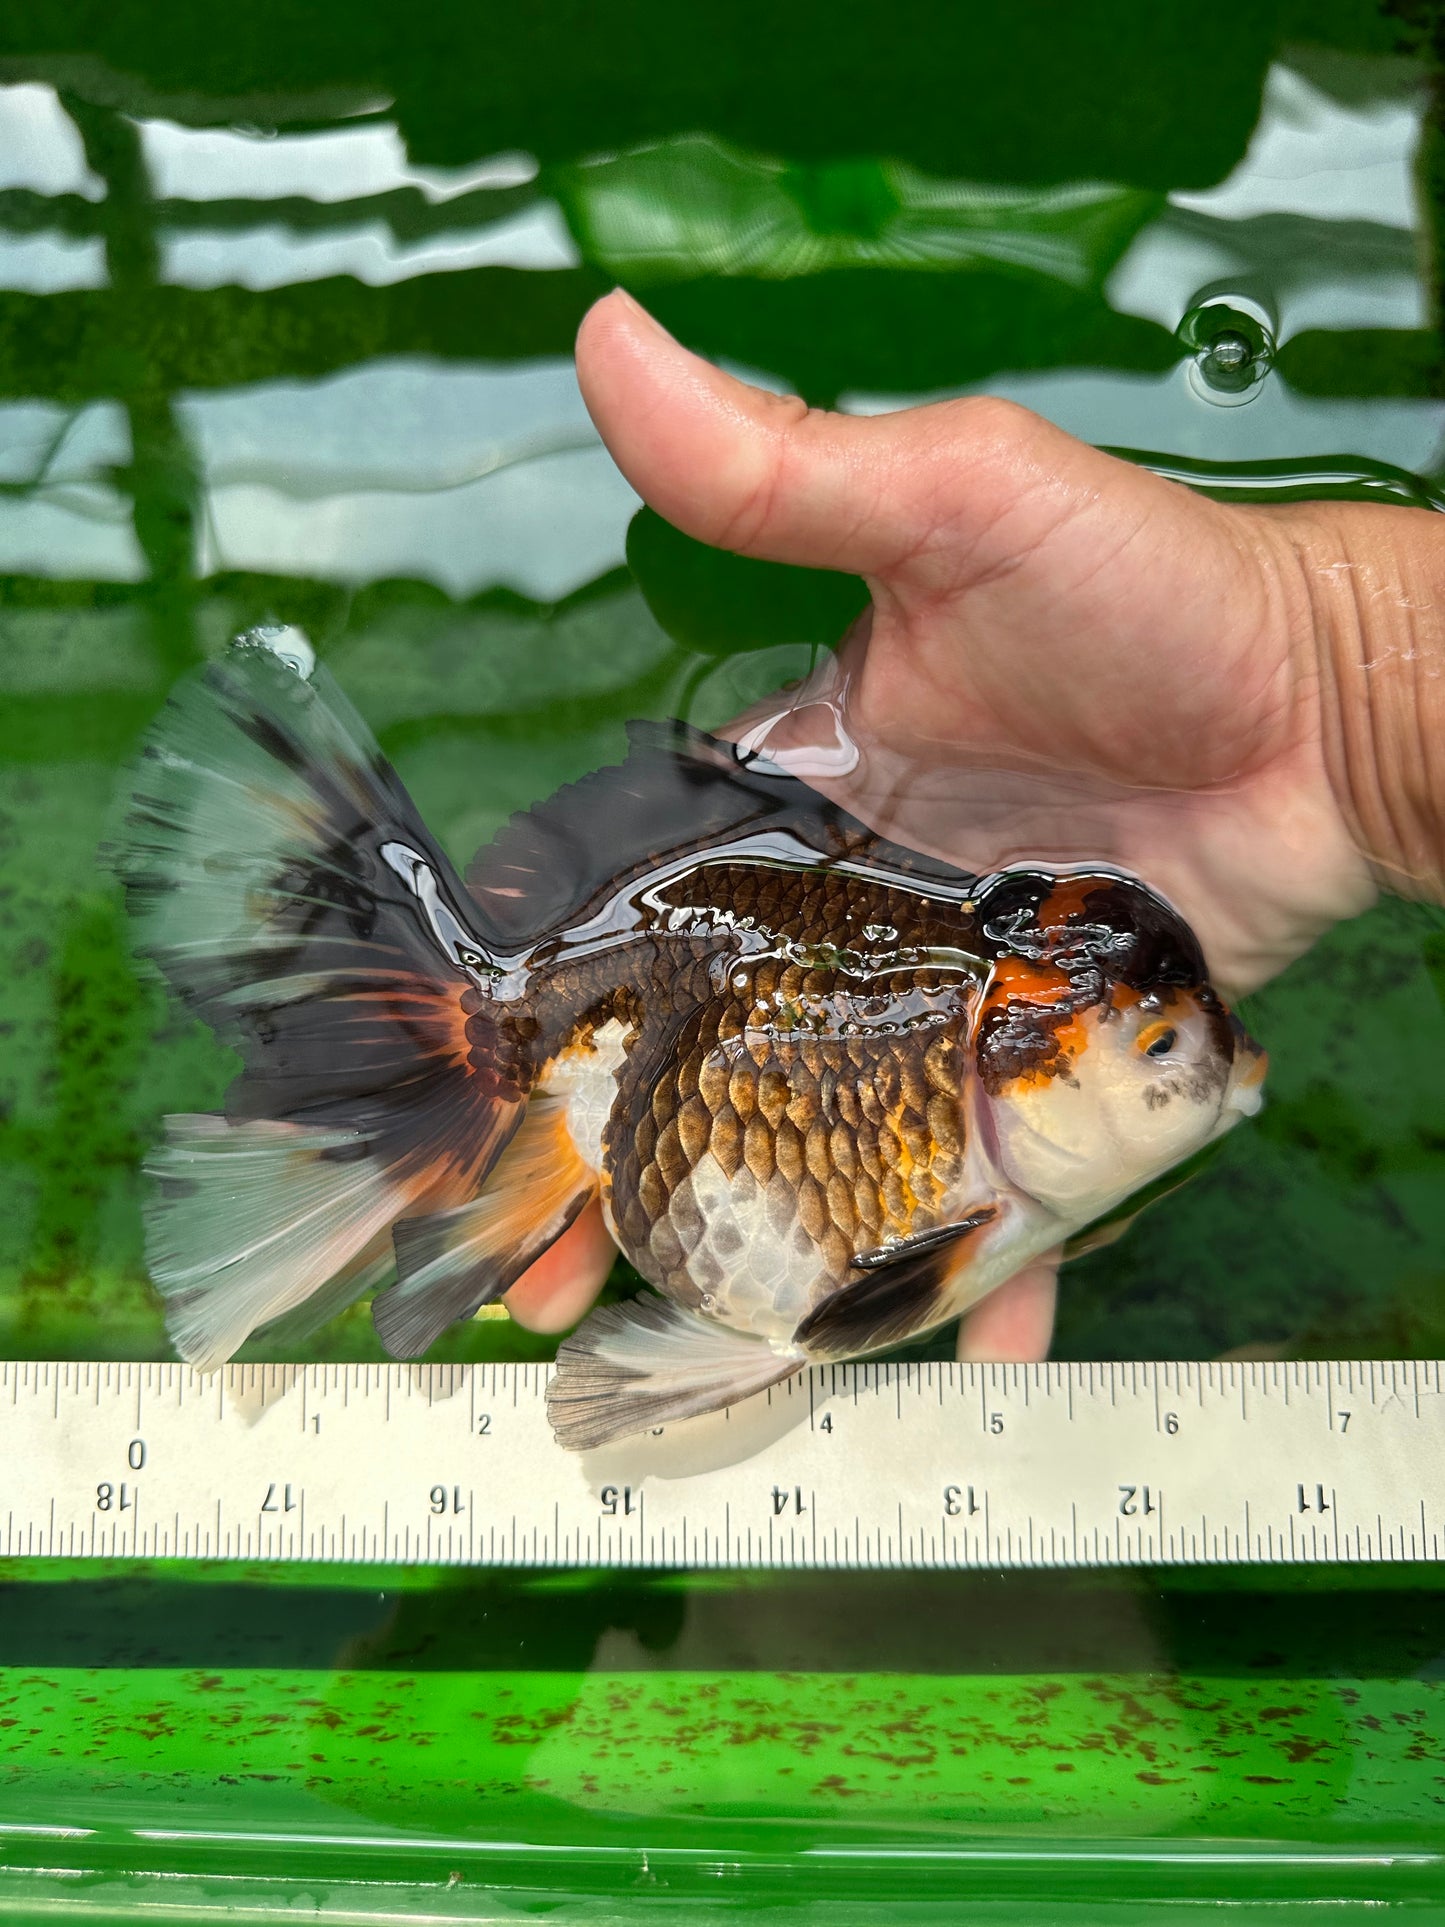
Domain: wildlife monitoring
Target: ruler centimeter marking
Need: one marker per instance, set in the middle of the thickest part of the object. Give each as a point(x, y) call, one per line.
point(930, 1465)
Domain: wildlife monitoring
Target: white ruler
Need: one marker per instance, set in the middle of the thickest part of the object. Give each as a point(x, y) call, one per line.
point(862, 1465)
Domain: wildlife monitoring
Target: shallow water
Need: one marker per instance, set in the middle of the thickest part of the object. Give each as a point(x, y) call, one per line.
point(286, 312)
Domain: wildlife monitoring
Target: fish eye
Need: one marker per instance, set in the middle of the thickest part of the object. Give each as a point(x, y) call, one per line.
point(1157, 1040)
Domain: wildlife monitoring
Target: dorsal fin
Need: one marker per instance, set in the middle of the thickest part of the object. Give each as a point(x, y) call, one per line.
point(679, 790)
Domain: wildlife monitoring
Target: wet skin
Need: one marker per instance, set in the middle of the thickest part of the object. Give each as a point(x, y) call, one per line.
point(1067, 659)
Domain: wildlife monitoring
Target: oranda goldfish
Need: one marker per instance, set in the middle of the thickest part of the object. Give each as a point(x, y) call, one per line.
point(829, 1091)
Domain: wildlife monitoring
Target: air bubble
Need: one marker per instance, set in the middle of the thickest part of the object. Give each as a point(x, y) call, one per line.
point(1232, 343)
point(285, 641)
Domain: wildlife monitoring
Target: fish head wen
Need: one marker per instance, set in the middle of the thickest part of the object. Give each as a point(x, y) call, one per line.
point(1104, 1054)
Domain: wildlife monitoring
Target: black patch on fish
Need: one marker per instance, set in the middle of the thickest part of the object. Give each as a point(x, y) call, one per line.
point(409, 1322)
point(923, 1241)
point(1099, 930)
point(679, 791)
point(898, 1295)
point(277, 742)
point(1017, 1038)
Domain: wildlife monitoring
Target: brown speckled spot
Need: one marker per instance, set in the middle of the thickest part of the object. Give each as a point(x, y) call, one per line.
point(726, 1142)
point(816, 1151)
point(843, 1145)
point(840, 1204)
point(773, 1095)
point(813, 1209)
point(788, 1150)
point(668, 1157)
point(713, 1078)
point(694, 1128)
point(942, 1065)
point(743, 1091)
point(866, 1203)
point(652, 1192)
point(758, 1149)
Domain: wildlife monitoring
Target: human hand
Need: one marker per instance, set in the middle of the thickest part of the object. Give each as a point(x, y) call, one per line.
point(1067, 659)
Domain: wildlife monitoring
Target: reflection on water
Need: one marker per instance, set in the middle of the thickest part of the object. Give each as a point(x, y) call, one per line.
point(1166, 414)
point(402, 468)
point(335, 165)
point(274, 257)
point(1323, 216)
point(303, 355)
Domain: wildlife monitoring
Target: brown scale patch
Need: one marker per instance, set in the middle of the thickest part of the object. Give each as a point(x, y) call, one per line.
point(945, 1127)
point(666, 1245)
point(782, 1208)
point(867, 1203)
point(870, 1156)
point(773, 1096)
point(917, 1141)
point(897, 1201)
point(652, 1192)
point(758, 1149)
point(841, 1208)
point(685, 1217)
point(694, 1127)
point(837, 1250)
point(817, 1151)
point(813, 1208)
point(743, 1092)
point(788, 1150)
point(850, 1137)
point(668, 1157)
point(726, 1141)
point(828, 1091)
point(913, 1085)
point(714, 1075)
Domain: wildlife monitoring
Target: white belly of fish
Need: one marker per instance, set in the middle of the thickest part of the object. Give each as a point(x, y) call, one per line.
point(743, 1249)
point(738, 1243)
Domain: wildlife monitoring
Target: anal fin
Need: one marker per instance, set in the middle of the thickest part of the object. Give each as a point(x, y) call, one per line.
point(450, 1263)
point(648, 1362)
point(902, 1291)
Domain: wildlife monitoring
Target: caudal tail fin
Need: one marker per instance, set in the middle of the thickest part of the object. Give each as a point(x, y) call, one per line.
point(277, 872)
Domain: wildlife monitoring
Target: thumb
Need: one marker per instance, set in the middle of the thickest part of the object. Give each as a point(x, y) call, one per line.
point(946, 494)
point(760, 473)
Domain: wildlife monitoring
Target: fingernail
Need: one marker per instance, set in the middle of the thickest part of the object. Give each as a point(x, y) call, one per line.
point(641, 315)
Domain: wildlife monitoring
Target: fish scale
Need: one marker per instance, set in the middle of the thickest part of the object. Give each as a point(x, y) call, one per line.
point(865, 1134)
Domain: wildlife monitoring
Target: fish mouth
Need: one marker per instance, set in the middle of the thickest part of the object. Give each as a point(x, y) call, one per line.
point(1246, 1086)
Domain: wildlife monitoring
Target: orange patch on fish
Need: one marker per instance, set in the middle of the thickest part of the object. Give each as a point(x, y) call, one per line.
point(1028, 1025)
point(1066, 899)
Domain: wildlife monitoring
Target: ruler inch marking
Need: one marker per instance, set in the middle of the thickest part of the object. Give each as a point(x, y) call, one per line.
point(1249, 1474)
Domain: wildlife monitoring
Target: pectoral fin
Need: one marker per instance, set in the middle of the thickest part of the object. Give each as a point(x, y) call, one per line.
point(450, 1263)
point(902, 1291)
point(647, 1362)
